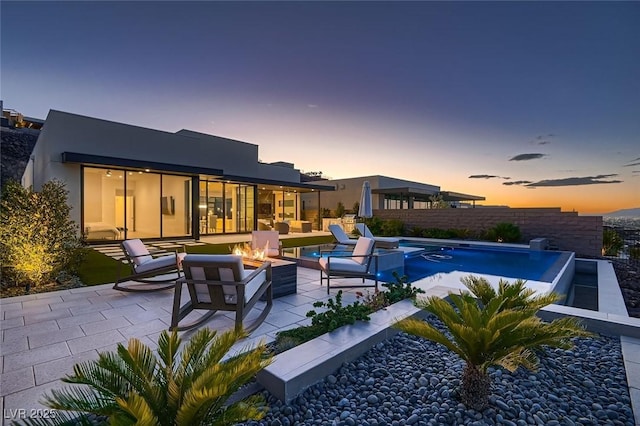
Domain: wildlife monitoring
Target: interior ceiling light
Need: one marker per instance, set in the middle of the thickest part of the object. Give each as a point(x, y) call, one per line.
point(147, 170)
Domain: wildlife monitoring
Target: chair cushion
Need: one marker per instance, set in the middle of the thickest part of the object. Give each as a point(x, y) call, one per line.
point(233, 274)
point(341, 264)
point(137, 250)
point(363, 248)
point(254, 285)
point(159, 263)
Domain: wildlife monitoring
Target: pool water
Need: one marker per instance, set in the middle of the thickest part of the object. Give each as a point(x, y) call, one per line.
point(423, 260)
point(511, 263)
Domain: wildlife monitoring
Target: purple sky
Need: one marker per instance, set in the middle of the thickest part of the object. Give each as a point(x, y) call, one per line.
point(449, 93)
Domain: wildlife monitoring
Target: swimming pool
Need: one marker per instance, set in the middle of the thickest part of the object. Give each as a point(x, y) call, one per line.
point(509, 263)
point(432, 263)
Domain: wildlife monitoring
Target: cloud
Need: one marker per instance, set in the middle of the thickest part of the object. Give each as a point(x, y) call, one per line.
point(527, 157)
point(633, 163)
point(488, 177)
point(573, 181)
point(483, 177)
point(517, 182)
point(543, 139)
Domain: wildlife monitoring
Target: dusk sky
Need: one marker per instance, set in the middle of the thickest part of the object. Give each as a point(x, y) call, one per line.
point(527, 104)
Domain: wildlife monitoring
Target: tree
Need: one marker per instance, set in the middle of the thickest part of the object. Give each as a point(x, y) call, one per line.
point(174, 388)
point(340, 209)
point(37, 237)
point(489, 328)
point(612, 243)
point(437, 202)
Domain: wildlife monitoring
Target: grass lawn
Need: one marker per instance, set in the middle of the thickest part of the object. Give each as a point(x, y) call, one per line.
point(98, 268)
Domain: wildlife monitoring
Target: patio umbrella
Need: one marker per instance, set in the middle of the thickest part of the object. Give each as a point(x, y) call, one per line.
point(366, 208)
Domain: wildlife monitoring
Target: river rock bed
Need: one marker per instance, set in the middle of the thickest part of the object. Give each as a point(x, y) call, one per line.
point(411, 381)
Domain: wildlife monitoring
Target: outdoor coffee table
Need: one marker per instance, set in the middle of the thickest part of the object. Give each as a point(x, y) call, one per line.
point(284, 275)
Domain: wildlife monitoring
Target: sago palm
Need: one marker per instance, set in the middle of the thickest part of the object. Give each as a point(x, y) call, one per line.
point(176, 387)
point(489, 327)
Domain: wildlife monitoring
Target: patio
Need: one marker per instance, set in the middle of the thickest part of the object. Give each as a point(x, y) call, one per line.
point(44, 335)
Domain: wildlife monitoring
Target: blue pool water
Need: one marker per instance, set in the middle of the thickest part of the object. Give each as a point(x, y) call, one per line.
point(423, 260)
point(508, 263)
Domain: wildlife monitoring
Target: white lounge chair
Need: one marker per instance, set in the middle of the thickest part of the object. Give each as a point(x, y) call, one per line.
point(358, 264)
point(341, 236)
point(382, 242)
point(220, 283)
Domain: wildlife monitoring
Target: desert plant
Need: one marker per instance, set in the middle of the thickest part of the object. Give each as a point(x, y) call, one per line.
point(340, 209)
point(488, 327)
point(612, 243)
point(634, 252)
point(356, 207)
point(38, 240)
point(392, 228)
point(504, 232)
point(176, 387)
point(437, 202)
point(396, 291)
point(336, 315)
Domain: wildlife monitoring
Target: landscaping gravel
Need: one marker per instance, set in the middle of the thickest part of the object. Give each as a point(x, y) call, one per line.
point(410, 381)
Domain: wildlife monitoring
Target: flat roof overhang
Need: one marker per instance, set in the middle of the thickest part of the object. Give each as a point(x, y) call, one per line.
point(457, 196)
point(99, 160)
point(408, 191)
point(284, 185)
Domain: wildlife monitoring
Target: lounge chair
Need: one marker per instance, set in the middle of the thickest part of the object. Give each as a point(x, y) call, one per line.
point(143, 267)
point(361, 263)
point(382, 242)
point(220, 283)
point(269, 241)
point(341, 236)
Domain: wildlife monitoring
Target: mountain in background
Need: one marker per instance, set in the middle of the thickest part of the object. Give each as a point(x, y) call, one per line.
point(624, 213)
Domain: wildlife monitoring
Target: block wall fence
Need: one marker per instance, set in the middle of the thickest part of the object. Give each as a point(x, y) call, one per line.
point(566, 230)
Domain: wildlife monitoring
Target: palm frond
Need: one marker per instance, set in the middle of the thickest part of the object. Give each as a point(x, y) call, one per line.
point(253, 408)
point(137, 407)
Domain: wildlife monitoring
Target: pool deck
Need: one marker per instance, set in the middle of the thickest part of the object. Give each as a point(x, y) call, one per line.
point(44, 335)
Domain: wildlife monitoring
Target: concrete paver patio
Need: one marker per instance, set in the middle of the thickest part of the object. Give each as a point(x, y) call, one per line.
point(44, 335)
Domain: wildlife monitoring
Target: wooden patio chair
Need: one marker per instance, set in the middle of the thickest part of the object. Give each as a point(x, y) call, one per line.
point(358, 264)
point(220, 283)
point(143, 267)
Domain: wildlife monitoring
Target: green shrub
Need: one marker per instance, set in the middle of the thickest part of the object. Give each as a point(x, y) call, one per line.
point(392, 228)
point(612, 243)
point(486, 327)
point(504, 232)
point(170, 386)
point(38, 240)
point(634, 252)
point(436, 233)
point(335, 316)
point(415, 231)
point(340, 209)
point(396, 291)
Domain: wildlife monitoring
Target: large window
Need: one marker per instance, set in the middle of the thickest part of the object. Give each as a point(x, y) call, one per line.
point(122, 204)
point(103, 213)
point(176, 206)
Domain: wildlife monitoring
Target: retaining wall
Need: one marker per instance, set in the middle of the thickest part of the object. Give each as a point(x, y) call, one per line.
point(566, 230)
